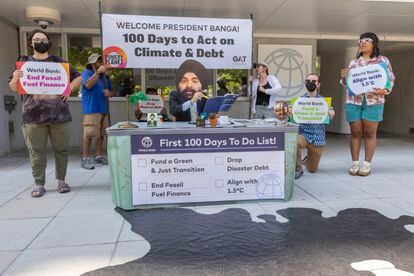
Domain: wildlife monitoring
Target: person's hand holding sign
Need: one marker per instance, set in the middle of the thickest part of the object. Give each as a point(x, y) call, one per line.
point(380, 91)
point(331, 112)
point(344, 72)
point(17, 74)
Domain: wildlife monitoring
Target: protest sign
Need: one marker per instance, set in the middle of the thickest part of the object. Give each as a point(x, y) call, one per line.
point(310, 110)
point(153, 104)
point(45, 78)
point(135, 41)
point(364, 79)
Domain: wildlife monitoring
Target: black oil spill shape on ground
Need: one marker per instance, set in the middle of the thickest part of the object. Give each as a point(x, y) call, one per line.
point(184, 242)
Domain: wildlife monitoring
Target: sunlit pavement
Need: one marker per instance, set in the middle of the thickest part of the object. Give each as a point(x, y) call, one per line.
point(77, 232)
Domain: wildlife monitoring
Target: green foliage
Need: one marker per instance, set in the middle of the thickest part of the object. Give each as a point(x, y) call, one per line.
point(78, 58)
point(167, 89)
point(117, 75)
point(137, 96)
point(232, 78)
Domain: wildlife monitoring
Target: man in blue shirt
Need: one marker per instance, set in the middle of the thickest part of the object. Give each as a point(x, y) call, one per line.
point(96, 88)
point(311, 136)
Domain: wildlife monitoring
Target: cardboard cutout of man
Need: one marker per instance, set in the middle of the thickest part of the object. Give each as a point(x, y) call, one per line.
point(191, 79)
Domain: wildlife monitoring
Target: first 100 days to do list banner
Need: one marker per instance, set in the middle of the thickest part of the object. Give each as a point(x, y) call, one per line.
point(183, 168)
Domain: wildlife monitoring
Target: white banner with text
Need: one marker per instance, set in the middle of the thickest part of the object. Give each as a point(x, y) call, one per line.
point(206, 167)
point(135, 41)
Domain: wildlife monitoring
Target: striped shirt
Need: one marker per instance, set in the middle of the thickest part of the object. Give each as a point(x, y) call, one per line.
point(313, 133)
point(371, 98)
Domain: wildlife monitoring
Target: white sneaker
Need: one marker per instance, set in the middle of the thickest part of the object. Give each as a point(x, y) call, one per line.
point(354, 168)
point(365, 170)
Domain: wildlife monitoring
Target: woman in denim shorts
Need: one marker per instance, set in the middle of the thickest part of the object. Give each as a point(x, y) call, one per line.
point(364, 111)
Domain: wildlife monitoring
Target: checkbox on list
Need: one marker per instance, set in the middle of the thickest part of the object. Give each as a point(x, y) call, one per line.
point(142, 162)
point(219, 183)
point(142, 186)
point(218, 160)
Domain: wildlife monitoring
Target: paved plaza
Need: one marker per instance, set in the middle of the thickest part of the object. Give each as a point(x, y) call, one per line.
point(80, 232)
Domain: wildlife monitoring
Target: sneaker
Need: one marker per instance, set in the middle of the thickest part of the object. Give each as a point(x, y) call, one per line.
point(354, 168)
point(365, 170)
point(87, 164)
point(298, 174)
point(100, 159)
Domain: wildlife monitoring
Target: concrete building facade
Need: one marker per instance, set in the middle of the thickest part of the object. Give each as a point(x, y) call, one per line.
point(329, 27)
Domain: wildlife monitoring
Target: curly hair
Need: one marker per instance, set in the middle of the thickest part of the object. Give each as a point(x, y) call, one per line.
point(375, 42)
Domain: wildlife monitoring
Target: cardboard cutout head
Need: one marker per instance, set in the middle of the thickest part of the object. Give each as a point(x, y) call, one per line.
point(191, 77)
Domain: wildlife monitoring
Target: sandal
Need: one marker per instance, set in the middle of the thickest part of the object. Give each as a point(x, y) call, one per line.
point(365, 170)
point(38, 191)
point(354, 169)
point(63, 188)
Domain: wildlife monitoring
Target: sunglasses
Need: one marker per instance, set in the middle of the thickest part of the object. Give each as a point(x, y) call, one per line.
point(364, 40)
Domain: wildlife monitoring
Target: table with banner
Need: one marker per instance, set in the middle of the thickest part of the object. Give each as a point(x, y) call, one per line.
point(177, 162)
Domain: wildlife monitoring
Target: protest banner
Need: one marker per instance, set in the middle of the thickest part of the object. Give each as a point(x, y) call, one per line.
point(311, 110)
point(45, 78)
point(135, 41)
point(364, 79)
point(153, 104)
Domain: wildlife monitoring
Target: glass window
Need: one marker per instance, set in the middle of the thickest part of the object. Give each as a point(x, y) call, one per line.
point(164, 80)
point(232, 81)
point(81, 46)
point(318, 65)
point(124, 82)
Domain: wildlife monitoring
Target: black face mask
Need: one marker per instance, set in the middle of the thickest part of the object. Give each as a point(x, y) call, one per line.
point(310, 86)
point(41, 47)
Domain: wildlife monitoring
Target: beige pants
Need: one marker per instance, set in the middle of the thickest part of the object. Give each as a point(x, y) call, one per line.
point(95, 125)
point(314, 154)
point(35, 136)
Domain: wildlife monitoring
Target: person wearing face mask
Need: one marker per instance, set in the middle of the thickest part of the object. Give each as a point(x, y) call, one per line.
point(364, 111)
point(191, 79)
point(264, 91)
point(311, 136)
point(45, 116)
